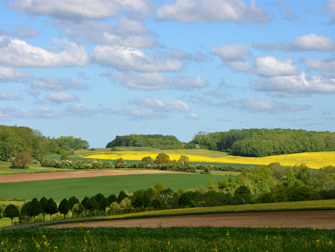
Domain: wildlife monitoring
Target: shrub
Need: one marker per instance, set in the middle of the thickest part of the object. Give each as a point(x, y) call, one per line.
point(22, 159)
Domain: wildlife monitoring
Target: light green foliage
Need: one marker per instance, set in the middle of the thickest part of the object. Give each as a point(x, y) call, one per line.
point(125, 204)
point(210, 183)
point(162, 158)
point(159, 186)
point(114, 207)
point(22, 159)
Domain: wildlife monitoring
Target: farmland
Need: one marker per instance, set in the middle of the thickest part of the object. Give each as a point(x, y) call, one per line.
point(81, 187)
point(311, 159)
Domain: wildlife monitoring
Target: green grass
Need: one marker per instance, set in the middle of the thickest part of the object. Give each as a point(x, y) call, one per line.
point(81, 187)
point(201, 239)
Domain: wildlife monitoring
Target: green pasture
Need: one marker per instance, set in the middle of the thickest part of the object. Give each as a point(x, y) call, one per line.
point(81, 187)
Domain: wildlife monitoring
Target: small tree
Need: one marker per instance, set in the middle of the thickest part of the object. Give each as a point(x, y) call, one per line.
point(34, 209)
point(103, 205)
point(43, 203)
point(125, 204)
point(147, 160)
point(22, 159)
point(120, 163)
point(210, 183)
point(64, 207)
point(25, 210)
point(121, 196)
point(51, 207)
point(162, 158)
point(184, 200)
point(11, 212)
point(114, 207)
point(159, 186)
point(184, 159)
point(112, 198)
point(78, 209)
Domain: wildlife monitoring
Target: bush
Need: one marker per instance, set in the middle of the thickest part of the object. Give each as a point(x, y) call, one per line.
point(22, 159)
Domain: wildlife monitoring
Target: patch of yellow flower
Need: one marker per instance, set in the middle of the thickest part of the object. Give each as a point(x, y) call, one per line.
point(311, 159)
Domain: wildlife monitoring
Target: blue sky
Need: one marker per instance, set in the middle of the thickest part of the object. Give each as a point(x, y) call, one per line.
point(97, 69)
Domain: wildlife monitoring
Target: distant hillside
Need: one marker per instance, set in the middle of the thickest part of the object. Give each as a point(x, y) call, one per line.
point(155, 141)
point(265, 142)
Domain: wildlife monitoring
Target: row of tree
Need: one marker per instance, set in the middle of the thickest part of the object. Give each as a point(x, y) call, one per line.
point(264, 142)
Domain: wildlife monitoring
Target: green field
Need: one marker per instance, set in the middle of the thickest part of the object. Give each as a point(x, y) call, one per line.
point(81, 187)
point(201, 239)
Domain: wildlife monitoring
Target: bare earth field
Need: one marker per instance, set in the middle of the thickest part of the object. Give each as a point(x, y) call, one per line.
point(76, 174)
point(295, 219)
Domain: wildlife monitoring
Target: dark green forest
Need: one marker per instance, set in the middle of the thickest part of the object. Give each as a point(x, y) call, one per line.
point(155, 141)
point(14, 140)
point(264, 142)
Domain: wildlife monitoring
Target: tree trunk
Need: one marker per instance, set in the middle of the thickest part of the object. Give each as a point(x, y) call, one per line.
point(43, 217)
point(12, 221)
point(64, 216)
point(34, 220)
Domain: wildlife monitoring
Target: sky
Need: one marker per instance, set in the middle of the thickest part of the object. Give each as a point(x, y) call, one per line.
point(102, 68)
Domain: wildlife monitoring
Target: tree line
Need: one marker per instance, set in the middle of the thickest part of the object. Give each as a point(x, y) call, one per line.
point(154, 141)
point(14, 140)
point(264, 142)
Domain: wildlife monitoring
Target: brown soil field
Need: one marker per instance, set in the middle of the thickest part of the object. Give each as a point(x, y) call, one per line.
point(324, 219)
point(75, 174)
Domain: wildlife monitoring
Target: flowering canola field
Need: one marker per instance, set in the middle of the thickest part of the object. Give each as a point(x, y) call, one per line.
point(311, 159)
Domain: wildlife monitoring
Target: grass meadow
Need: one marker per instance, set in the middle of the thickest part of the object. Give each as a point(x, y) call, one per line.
point(312, 159)
point(81, 187)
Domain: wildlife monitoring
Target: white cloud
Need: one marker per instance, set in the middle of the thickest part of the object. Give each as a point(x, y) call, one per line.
point(24, 31)
point(186, 82)
point(139, 113)
point(311, 42)
point(17, 53)
point(61, 97)
point(256, 105)
point(231, 52)
point(213, 10)
point(127, 33)
point(74, 9)
point(33, 92)
point(131, 59)
point(272, 66)
point(156, 81)
point(144, 81)
point(161, 105)
point(327, 64)
point(9, 96)
point(225, 119)
point(192, 116)
point(240, 66)
point(23, 113)
point(79, 110)
point(293, 86)
point(8, 74)
point(57, 84)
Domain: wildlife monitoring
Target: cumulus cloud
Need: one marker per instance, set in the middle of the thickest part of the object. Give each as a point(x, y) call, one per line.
point(192, 116)
point(225, 119)
point(231, 52)
point(33, 92)
point(24, 31)
point(161, 105)
point(84, 9)
point(138, 113)
point(57, 84)
point(131, 59)
point(9, 96)
point(186, 82)
point(311, 42)
point(327, 64)
point(17, 53)
point(79, 110)
point(127, 33)
point(272, 66)
point(293, 86)
point(265, 66)
point(61, 97)
point(256, 105)
point(23, 113)
point(213, 10)
point(8, 74)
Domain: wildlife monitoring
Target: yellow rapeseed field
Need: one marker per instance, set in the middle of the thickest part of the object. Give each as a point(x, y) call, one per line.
point(311, 159)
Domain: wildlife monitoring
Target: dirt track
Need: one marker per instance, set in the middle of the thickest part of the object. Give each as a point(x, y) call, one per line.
point(75, 174)
point(299, 219)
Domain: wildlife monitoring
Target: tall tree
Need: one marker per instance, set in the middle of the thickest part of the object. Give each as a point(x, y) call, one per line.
point(34, 209)
point(51, 207)
point(64, 207)
point(11, 212)
point(43, 203)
